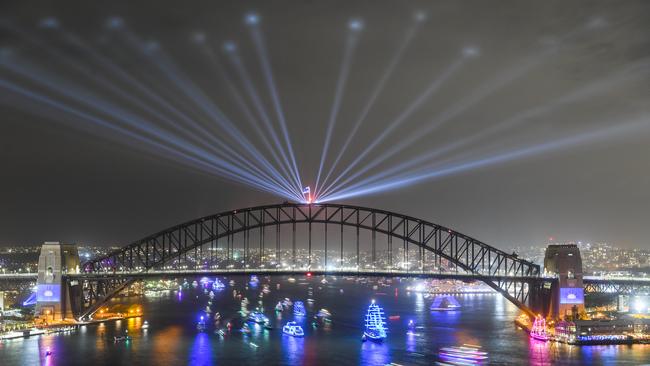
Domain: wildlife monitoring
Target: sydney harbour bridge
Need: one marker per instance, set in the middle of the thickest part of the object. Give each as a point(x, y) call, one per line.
point(316, 239)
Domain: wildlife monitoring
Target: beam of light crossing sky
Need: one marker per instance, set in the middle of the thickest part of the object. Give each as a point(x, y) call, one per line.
point(408, 37)
point(165, 64)
point(431, 89)
point(248, 114)
point(594, 88)
point(252, 20)
point(86, 118)
point(482, 92)
point(351, 42)
point(249, 86)
point(639, 125)
point(124, 94)
point(121, 74)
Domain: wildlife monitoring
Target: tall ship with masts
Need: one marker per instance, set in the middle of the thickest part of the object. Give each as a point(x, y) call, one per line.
point(375, 324)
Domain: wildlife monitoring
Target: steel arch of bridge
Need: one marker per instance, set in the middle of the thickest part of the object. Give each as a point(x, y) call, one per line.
point(508, 274)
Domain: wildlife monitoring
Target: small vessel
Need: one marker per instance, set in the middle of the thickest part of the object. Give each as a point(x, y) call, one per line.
point(323, 313)
point(279, 307)
point(220, 332)
point(538, 331)
point(299, 309)
point(217, 316)
point(257, 317)
point(145, 325)
point(323, 316)
point(445, 303)
point(287, 302)
point(291, 280)
point(245, 329)
point(200, 325)
point(211, 294)
point(463, 354)
point(122, 338)
point(324, 281)
point(375, 326)
point(411, 325)
point(217, 285)
point(268, 326)
point(293, 329)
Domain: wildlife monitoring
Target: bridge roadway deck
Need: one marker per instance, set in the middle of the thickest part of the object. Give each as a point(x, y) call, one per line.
point(301, 272)
point(437, 275)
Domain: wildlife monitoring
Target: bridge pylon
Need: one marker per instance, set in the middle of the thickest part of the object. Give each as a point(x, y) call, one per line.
point(53, 296)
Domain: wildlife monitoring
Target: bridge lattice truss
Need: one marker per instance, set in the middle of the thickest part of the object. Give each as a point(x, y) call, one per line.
point(380, 241)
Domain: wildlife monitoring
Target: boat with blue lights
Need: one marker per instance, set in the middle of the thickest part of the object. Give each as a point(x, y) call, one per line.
point(299, 309)
point(200, 325)
point(257, 317)
point(445, 303)
point(293, 329)
point(375, 324)
point(217, 285)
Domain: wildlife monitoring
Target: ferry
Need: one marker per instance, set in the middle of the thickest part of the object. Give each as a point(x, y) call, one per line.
point(145, 325)
point(463, 353)
point(257, 317)
point(293, 329)
point(375, 326)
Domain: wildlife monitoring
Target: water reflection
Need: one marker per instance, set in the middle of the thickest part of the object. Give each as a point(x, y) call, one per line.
point(374, 354)
point(201, 352)
point(293, 349)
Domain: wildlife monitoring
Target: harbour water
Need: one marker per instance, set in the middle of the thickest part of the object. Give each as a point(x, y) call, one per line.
point(484, 320)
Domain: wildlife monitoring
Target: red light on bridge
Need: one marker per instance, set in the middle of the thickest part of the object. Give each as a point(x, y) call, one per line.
point(308, 274)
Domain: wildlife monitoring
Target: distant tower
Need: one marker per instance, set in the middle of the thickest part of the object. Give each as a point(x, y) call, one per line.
point(52, 296)
point(564, 263)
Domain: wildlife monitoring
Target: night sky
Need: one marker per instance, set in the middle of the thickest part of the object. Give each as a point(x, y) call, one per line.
point(62, 179)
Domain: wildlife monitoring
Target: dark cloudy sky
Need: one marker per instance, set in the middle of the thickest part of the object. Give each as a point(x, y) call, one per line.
point(63, 181)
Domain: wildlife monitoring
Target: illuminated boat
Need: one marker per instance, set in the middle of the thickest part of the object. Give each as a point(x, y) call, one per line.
point(257, 317)
point(464, 353)
point(279, 307)
point(217, 285)
point(123, 338)
point(145, 325)
point(254, 281)
point(445, 303)
point(538, 331)
point(293, 329)
point(375, 325)
point(299, 309)
point(200, 325)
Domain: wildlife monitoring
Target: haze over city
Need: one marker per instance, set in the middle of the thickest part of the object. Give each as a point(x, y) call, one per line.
point(324, 182)
point(527, 57)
